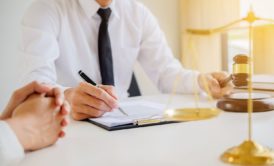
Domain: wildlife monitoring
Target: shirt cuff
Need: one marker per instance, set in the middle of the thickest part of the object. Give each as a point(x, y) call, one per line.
point(196, 85)
point(189, 83)
point(11, 151)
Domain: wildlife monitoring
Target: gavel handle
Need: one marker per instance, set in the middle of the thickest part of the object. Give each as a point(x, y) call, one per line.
point(225, 81)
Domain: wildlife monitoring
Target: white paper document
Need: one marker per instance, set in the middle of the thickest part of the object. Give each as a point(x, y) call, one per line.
point(136, 110)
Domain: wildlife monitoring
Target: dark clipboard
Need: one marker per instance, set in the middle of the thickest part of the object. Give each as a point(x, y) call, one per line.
point(128, 126)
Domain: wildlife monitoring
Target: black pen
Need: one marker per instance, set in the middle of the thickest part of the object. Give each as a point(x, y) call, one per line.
point(88, 80)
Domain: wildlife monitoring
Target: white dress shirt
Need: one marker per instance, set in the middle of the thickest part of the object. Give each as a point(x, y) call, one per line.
point(11, 151)
point(59, 38)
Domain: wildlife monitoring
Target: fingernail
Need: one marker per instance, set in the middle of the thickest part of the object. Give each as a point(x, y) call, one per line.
point(62, 134)
point(64, 123)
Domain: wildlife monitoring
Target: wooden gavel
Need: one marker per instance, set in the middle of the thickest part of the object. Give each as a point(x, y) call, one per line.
point(240, 77)
point(240, 72)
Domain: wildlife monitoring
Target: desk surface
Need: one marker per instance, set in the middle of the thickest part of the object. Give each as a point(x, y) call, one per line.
point(189, 143)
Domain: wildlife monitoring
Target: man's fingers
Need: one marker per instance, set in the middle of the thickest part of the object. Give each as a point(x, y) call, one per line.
point(88, 101)
point(227, 89)
point(220, 75)
point(61, 120)
point(91, 111)
point(214, 87)
point(80, 116)
point(65, 109)
point(63, 112)
point(39, 87)
point(62, 134)
point(64, 123)
point(110, 90)
point(96, 103)
point(100, 94)
point(57, 94)
point(213, 81)
point(22, 94)
point(108, 99)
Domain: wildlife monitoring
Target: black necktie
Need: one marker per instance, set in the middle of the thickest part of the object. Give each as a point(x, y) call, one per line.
point(104, 48)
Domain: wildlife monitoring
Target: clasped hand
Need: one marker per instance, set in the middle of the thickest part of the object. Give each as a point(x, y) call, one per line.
point(37, 115)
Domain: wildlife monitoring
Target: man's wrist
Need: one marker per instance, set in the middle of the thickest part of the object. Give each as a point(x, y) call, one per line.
point(11, 148)
point(19, 128)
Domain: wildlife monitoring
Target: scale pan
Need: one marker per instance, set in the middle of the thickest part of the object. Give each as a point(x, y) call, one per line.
point(191, 114)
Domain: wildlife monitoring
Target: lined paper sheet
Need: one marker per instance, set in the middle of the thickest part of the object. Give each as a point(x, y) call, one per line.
point(135, 109)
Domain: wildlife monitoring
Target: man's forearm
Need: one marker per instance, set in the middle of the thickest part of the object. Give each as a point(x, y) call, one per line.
point(19, 129)
point(11, 151)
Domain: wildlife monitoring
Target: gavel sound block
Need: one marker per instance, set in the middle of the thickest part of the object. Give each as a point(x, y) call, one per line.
point(238, 102)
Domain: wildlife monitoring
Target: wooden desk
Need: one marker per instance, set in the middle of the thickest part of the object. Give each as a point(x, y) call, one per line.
point(184, 144)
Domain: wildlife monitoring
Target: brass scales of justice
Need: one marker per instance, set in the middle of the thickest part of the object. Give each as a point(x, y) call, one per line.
point(249, 152)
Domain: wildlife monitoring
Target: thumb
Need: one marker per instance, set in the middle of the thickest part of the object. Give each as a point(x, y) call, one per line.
point(214, 87)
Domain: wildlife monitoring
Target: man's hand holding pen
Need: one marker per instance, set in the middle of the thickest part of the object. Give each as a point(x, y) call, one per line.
point(89, 101)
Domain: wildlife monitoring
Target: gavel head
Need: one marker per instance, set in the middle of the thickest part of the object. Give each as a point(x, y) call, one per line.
point(240, 70)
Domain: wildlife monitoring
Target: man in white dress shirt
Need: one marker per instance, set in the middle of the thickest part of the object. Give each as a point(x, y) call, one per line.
point(103, 38)
point(33, 119)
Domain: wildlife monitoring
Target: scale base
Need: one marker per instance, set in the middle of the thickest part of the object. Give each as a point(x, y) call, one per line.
point(237, 102)
point(249, 153)
point(191, 114)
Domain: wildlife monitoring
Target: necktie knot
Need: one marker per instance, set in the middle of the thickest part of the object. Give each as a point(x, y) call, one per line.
point(104, 13)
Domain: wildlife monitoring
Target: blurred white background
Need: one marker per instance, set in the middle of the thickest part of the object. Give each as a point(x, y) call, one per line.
point(11, 12)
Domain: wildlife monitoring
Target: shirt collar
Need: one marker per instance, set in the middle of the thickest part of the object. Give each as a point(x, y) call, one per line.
point(91, 7)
